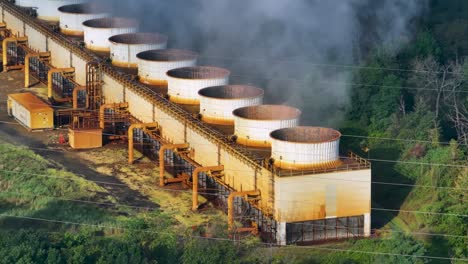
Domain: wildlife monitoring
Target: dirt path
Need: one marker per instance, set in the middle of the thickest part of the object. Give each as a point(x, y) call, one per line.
point(61, 157)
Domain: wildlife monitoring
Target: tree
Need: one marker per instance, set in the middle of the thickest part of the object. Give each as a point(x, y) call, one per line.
point(439, 87)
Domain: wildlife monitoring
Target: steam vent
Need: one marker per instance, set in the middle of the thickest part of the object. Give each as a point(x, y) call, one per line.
point(217, 103)
point(125, 47)
point(253, 124)
point(153, 64)
point(98, 31)
point(184, 83)
point(73, 16)
point(47, 9)
point(305, 148)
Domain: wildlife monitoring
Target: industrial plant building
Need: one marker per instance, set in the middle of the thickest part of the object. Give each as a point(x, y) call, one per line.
point(290, 182)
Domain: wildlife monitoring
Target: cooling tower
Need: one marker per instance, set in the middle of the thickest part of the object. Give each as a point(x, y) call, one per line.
point(184, 83)
point(73, 16)
point(253, 124)
point(47, 9)
point(125, 47)
point(98, 31)
point(305, 147)
point(217, 103)
point(154, 64)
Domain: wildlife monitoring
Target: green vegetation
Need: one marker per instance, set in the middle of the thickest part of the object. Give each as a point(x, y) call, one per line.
point(426, 104)
point(111, 233)
point(424, 108)
point(62, 218)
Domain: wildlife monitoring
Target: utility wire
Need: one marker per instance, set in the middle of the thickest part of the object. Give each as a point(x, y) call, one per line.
point(325, 178)
point(315, 177)
point(225, 239)
point(343, 135)
point(325, 65)
point(297, 202)
point(368, 159)
point(244, 218)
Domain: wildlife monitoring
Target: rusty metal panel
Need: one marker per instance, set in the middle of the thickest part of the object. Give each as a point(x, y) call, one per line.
point(85, 138)
point(304, 198)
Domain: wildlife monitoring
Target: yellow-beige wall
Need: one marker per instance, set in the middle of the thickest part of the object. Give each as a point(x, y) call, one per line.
point(319, 196)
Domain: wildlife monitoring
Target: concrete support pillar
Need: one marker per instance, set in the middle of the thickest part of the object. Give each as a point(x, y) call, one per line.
point(367, 225)
point(281, 233)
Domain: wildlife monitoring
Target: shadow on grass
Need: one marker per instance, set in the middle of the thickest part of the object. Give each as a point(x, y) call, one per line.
point(70, 162)
point(385, 195)
point(55, 215)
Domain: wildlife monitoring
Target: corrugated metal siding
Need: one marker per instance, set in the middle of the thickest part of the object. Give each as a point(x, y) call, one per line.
point(186, 90)
point(259, 130)
point(154, 71)
point(74, 22)
point(214, 108)
point(124, 53)
point(302, 198)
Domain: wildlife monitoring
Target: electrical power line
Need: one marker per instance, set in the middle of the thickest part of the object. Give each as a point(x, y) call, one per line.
point(325, 65)
point(342, 179)
point(297, 202)
point(343, 135)
point(225, 239)
point(244, 218)
point(323, 178)
point(369, 159)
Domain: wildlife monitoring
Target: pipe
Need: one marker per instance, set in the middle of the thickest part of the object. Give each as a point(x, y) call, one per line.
point(4, 30)
point(103, 108)
point(50, 75)
point(231, 205)
point(5, 49)
point(27, 63)
point(75, 96)
point(161, 159)
point(195, 182)
point(130, 138)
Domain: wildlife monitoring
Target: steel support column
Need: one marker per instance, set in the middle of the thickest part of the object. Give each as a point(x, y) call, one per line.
point(161, 159)
point(231, 206)
point(130, 137)
point(195, 182)
point(27, 64)
point(50, 74)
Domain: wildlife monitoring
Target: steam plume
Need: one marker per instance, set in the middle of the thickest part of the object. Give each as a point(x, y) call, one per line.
point(271, 43)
